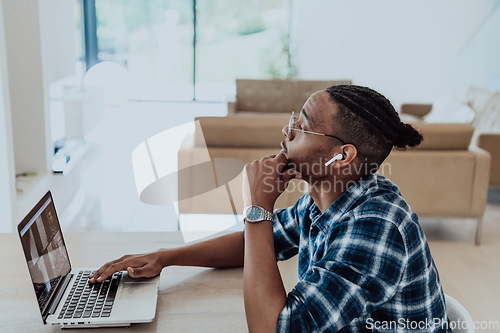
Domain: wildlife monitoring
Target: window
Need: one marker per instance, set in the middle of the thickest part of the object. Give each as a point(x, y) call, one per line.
point(239, 39)
point(190, 49)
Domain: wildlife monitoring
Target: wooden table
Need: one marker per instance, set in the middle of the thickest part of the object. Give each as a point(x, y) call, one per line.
point(191, 299)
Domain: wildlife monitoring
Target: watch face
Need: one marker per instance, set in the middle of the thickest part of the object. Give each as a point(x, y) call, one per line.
point(253, 213)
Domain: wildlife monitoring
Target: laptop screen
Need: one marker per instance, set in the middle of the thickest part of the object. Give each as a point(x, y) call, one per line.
point(45, 251)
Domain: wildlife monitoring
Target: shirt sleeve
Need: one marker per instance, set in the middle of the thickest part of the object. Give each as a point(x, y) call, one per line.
point(359, 272)
point(286, 229)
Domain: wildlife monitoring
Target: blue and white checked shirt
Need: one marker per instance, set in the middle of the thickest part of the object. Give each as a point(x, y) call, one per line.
point(364, 264)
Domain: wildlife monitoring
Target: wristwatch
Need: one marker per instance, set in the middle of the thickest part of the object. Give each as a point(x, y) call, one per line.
point(255, 214)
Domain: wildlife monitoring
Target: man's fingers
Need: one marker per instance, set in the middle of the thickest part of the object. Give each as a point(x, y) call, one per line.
point(98, 272)
point(106, 265)
point(101, 270)
point(281, 161)
point(291, 174)
point(109, 269)
point(101, 276)
point(132, 272)
point(144, 271)
point(281, 158)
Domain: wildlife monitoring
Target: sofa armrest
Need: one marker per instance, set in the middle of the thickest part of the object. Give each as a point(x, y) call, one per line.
point(491, 143)
point(231, 108)
point(417, 110)
point(480, 181)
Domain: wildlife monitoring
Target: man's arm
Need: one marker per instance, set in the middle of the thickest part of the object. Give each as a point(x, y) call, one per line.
point(223, 251)
point(265, 295)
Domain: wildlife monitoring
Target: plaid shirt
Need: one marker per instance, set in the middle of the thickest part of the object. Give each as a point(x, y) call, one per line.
point(364, 264)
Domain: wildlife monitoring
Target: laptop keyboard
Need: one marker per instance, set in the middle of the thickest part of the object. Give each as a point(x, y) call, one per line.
point(87, 300)
point(44, 296)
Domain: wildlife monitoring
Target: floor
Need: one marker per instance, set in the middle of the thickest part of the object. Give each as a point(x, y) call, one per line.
point(470, 273)
point(109, 201)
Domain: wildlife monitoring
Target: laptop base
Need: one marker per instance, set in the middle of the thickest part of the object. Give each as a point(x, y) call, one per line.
point(71, 326)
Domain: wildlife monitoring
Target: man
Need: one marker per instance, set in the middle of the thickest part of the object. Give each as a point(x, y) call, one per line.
point(364, 263)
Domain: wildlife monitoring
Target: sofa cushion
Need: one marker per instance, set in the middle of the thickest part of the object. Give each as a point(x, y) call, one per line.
point(417, 110)
point(478, 97)
point(250, 114)
point(242, 132)
point(410, 118)
point(264, 95)
point(450, 109)
point(265, 132)
point(434, 183)
point(302, 89)
point(277, 96)
point(444, 136)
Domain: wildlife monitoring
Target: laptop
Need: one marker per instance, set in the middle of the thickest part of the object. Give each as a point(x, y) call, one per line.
point(64, 296)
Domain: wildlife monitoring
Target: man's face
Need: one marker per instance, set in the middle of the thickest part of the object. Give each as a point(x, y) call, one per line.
point(307, 153)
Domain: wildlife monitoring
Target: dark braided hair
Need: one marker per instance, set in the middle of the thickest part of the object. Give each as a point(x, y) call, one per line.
point(369, 121)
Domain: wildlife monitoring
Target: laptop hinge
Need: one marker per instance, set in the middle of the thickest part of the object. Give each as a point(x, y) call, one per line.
point(57, 298)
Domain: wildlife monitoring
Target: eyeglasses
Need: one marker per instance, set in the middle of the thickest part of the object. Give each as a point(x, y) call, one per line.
point(292, 128)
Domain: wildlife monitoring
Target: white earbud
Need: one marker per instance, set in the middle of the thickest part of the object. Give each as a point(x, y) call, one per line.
point(335, 158)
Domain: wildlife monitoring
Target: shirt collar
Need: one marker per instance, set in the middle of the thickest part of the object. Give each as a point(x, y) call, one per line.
point(344, 202)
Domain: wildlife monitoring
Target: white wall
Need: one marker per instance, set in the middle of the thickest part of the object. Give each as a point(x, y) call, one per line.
point(478, 60)
point(6, 162)
point(412, 51)
point(28, 96)
point(38, 49)
point(57, 33)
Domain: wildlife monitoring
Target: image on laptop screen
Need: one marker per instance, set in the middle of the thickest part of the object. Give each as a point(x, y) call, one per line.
point(45, 251)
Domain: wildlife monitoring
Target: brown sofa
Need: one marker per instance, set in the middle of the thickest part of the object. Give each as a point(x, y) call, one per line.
point(441, 178)
point(486, 105)
point(270, 97)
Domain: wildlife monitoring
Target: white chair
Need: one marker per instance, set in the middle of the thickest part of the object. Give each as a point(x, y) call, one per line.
point(459, 318)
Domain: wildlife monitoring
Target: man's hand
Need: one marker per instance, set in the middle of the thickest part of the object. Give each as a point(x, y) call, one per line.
point(265, 296)
point(265, 179)
point(137, 265)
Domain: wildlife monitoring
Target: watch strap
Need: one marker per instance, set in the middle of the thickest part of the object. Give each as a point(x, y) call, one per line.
point(268, 216)
point(264, 216)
